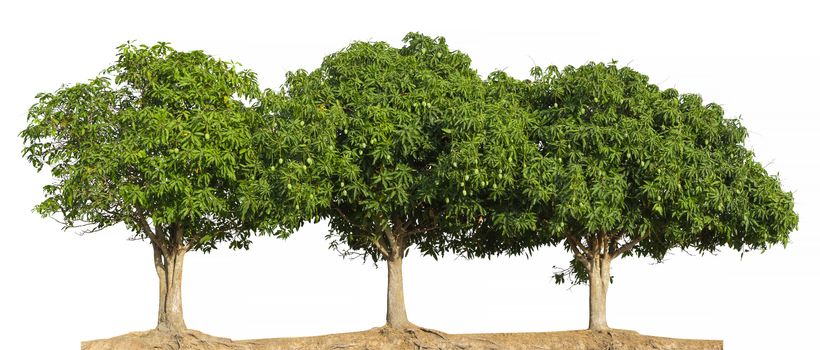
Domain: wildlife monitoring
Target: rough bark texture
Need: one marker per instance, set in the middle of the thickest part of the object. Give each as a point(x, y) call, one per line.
point(387, 338)
point(396, 312)
point(169, 272)
point(598, 286)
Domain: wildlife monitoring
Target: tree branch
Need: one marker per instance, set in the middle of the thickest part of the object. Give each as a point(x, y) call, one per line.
point(380, 246)
point(578, 254)
point(155, 239)
point(613, 242)
point(627, 246)
point(344, 216)
point(420, 230)
point(577, 245)
point(431, 227)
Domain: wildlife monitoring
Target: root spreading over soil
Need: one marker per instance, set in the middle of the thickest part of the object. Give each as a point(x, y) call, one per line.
point(385, 338)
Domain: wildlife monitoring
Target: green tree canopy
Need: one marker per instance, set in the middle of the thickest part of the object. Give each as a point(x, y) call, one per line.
point(630, 169)
point(404, 129)
point(162, 141)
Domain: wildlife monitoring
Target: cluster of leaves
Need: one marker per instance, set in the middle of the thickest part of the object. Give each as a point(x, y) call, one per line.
point(163, 138)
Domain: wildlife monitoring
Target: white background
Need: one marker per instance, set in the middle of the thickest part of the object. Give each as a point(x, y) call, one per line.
point(761, 61)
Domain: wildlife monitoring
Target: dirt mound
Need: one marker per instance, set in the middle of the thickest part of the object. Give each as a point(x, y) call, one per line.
point(411, 339)
point(159, 340)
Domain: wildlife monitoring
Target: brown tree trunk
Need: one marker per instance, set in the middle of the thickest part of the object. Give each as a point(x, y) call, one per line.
point(169, 271)
point(396, 313)
point(598, 286)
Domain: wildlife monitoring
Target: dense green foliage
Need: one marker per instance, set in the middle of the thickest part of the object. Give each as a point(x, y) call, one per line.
point(402, 128)
point(162, 138)
point(633, 169)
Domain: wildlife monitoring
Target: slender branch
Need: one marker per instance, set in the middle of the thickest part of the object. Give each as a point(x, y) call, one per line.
point(70, 225)
point(405, 224)
point(396, 223)
point(191, 244)
point(580, 246)
point(380, 246)
point(627, 246)
point(420, 230)
point(578, 254)
point(91, 230)
point(143, 223)
point(344, 216)
point(431, 227)
point(377, 242)
point(618, 236)
point(613, 242)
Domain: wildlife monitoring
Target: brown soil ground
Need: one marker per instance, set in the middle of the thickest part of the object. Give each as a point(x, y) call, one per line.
point(413, 339)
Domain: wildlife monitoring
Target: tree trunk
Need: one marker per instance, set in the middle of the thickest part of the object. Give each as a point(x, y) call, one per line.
point(598, 286)
point(396, 313)
point(169, 271)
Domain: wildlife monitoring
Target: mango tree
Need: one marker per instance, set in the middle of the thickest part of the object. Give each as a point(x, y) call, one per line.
point(630, 169)
point(162, 142)
point(401, 168)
